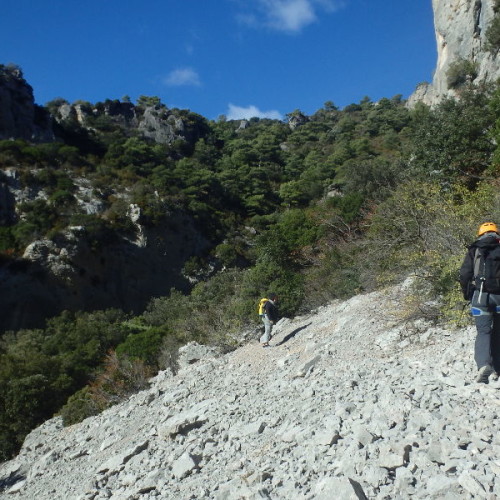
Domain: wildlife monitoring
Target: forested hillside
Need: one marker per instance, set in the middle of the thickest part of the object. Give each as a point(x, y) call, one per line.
point(313, 208)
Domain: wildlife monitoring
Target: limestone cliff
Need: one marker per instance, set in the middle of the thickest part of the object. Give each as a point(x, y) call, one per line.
point(464, 53)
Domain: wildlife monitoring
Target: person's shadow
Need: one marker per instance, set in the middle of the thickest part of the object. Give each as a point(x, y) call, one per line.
point(292, 334)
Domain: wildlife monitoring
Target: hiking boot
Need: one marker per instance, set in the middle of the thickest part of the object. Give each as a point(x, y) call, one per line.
point(484, 374)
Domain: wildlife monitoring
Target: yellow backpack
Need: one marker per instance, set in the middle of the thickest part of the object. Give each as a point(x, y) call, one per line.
point(261, 306)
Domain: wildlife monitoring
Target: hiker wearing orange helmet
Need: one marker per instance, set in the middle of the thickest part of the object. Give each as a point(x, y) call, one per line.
point(480, 281)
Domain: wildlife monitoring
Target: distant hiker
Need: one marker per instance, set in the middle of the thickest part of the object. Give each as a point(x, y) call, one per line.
point(480, 282)
point(269, 314)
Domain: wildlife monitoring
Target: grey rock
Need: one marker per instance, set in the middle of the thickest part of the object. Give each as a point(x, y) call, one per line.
point(389, 458)
point(438, 485)
point(435, 453)
point(253, 428)
point(241, 426)
point(461, 33)
point(20, 117)
point(184, 465)
point(194, 352)
point(188, 420)
point(117, 461)
point(308, 366)
point(327, 437)
point(472, 485)
point(363, 436)
point(339, 487)
point(68, 274)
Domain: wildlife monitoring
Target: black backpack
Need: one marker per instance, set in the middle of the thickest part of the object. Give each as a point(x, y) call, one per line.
point(487, 269)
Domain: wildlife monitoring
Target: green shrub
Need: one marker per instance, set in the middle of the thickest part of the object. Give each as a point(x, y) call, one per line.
point(79, 406)
point(61, 198)
point(336, 276)
point(493, 35)
point(25, 402)
point(143, 345)
point(461, 72)
point(452, 142)
point(424, 231)
point(227, 254)
point(7, 239)
point(118, 379)
point(162, 311)
point(168, 355)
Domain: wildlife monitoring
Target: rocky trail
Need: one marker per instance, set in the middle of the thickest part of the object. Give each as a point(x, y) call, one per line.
point(349, 402)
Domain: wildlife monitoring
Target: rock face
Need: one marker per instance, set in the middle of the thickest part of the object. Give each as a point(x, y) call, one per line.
point(20, 117)
point(460, 27)
point(347, 403)
point(91, 269)
point(296, 120)
point(155, 122)
point(71, 274)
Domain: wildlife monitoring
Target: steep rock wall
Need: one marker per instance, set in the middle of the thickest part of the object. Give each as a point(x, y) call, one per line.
point(460, 27)
point(70, 274)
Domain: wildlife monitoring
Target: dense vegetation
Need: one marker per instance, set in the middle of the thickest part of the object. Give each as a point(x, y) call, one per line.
point(350, 200)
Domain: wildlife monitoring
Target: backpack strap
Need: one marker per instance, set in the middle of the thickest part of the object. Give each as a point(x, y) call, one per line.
point(478, 272)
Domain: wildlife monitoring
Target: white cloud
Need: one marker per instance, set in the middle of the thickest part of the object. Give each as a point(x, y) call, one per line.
point(182, 77)
point(240, 113)
point(288, 15)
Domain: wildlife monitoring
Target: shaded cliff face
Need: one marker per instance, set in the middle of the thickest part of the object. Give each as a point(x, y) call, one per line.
point(461, 35)
point(20, 117)
point(70, 273)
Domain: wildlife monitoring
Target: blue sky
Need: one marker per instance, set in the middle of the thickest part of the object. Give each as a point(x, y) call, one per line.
point(238, 58)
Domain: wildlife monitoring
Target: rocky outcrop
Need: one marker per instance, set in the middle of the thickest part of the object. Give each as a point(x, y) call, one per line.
point(460, 27)
point(155, 122)
point(82, 113)
point(73, 272)
point(20, 117)
point(297, 119)
point(347, 403)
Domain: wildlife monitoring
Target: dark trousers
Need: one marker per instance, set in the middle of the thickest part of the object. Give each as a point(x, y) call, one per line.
point(485, 308)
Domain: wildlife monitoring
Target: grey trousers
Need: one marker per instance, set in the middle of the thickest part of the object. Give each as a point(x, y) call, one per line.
point(485, 308)
point(268, 326)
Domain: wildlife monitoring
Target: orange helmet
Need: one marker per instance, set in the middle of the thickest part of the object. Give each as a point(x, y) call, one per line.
point(486, 228)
